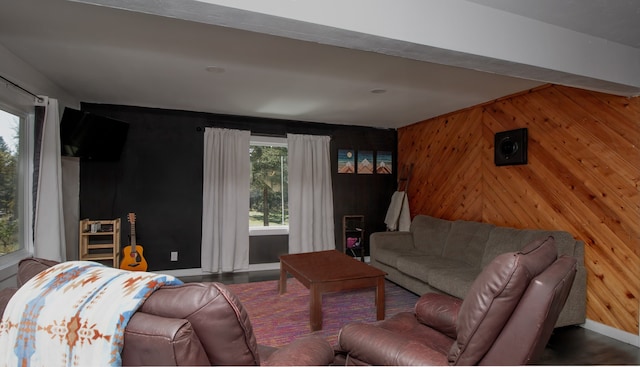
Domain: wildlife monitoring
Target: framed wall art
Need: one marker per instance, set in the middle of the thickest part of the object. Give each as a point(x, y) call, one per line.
point(384, 163)
point(346, 161)
point(365, 162)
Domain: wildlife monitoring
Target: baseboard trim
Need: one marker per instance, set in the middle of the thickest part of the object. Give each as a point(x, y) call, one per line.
point(262, 267)
point(612, 332)
point(181, 272)
point(198, 271)
point(252, 267)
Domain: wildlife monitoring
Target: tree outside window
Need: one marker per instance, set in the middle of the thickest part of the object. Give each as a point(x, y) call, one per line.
point(9, 225)
point(268, 189)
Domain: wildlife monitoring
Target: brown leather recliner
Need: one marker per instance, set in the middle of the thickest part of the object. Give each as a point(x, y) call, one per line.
point(194, 324)
point(506, 318)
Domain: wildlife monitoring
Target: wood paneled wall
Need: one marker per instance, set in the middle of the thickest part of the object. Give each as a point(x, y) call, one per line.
point(582, 176)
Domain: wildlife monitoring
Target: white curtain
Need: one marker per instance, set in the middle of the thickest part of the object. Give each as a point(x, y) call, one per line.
point(49, 235)
point(225, 207)
point(311, 226)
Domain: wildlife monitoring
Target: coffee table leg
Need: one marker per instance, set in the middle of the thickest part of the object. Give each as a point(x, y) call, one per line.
point(282, 284)
point(380, 299)
point(315, 308)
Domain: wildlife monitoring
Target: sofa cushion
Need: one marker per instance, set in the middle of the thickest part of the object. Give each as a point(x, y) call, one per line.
point(409, 326)
point(466, 241)
point(565, 242)
point(420, 266)
point(303, 351)
point(390, 256)
point(378, 346)
point(504, 239)
point(430, 234)
point(493, 297)
point(455, 281)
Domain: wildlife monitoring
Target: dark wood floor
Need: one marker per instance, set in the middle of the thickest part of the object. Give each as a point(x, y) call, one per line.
point(572, 345)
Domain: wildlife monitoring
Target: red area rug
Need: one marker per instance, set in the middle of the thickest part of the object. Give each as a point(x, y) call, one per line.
point(279, 319)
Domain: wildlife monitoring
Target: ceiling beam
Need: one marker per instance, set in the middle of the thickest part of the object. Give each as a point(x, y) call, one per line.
point(449, 32)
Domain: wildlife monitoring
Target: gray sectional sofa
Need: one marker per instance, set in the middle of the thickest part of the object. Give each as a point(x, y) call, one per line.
point(443, 256)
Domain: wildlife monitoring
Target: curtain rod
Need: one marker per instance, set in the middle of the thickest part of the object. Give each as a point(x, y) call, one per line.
point(38, 98)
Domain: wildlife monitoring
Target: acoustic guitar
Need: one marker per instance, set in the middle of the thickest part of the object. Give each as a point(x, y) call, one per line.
point(132, 258)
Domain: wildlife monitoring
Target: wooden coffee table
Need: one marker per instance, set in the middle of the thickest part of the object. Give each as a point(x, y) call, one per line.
point(330, 271)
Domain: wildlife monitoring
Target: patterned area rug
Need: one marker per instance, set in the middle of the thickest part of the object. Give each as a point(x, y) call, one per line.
point(279, 319)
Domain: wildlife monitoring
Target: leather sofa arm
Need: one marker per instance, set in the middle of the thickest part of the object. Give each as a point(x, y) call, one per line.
point(440, 312)
point(306, 351)
point(151, 340)
point(30, 267)
point(380, 347)
point(210, 308)
point(5, 296)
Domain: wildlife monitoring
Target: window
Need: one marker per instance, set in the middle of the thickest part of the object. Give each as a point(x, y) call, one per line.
point(268, 207)
point(15, 168)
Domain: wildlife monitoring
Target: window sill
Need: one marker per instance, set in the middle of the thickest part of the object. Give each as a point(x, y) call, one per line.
point(269, 231)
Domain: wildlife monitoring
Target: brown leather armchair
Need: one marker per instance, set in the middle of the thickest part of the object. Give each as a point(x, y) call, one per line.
point(195, 324)
point(506, 318)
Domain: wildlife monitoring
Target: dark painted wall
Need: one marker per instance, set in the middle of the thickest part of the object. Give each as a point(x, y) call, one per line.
point(159, 177)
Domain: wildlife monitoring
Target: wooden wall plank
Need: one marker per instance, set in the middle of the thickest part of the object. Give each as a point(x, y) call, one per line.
point(583, 177)
point(445, 172)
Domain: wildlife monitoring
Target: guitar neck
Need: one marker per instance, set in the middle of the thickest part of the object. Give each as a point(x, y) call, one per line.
point(133, 237)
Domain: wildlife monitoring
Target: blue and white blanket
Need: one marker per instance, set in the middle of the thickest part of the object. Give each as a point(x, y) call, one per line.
point(73, 314)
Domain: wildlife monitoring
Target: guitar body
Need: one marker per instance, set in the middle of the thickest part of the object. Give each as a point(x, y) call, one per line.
point(132, 258)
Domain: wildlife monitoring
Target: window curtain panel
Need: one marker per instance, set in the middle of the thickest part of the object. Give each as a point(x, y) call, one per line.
point(311, 225)
point(225, 207)
point(48, 219)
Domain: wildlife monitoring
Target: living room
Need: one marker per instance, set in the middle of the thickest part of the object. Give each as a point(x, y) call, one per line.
point(581, 176)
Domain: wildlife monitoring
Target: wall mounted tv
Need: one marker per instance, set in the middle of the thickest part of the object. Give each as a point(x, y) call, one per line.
point(92, 137)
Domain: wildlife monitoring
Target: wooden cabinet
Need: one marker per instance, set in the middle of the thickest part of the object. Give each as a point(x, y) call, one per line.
point(100, 241)
point(353, 235)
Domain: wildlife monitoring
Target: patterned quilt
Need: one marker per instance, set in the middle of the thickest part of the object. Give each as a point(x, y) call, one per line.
point(73, 314)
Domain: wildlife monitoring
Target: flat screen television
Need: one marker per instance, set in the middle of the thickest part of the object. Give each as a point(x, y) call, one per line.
point(92, 137)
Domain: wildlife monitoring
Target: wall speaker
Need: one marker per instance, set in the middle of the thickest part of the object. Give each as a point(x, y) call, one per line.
point(510, 147)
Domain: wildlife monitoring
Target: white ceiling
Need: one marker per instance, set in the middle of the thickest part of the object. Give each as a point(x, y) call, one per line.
point(320, 61)
point(613, 20)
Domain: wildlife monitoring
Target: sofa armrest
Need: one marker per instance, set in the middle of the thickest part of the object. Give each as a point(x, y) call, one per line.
point(154, 340)
point(30, 267)
point(380, 347)
point(306, 351)
point(5, 296)
point(209, 307)
point(439, 311)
